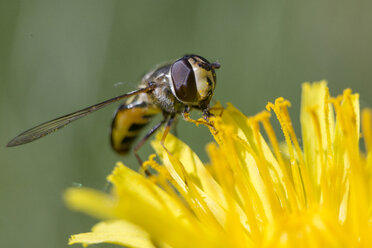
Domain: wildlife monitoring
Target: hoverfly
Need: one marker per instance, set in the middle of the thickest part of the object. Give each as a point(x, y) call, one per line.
point(171, 89)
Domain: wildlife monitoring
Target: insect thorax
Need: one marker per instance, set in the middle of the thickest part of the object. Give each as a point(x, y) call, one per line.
point(162, 95)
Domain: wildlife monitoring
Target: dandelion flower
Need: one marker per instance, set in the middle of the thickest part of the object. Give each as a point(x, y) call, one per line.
point(255, 192)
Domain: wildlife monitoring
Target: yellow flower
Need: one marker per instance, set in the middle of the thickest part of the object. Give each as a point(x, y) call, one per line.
point(255, 191)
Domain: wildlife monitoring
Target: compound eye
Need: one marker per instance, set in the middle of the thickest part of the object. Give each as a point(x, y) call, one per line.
point(184, 80)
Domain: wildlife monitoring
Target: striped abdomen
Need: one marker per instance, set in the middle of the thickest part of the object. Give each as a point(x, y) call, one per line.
point(128, 122)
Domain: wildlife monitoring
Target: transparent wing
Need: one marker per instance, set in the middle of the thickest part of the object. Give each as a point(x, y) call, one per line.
point(56, 124)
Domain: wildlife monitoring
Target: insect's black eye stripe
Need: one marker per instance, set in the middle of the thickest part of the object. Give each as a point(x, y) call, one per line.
point(205, 66)
point(209, 81)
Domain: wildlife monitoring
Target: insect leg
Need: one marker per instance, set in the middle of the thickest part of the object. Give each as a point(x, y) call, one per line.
point(186, 116)
point(167, 128)
point(175, 130)
point(143, 141)
point(217, 108)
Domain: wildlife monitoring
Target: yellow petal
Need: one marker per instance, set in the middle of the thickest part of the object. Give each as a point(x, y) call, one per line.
point(115, 232)
point(306, 229)
point(126, 181)
point(92, 202)
point(195, 169)
point(317, 130)
point(145, 204)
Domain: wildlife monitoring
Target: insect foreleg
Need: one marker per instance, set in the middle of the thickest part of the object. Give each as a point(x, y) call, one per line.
point(143, 141)
point(167, 128)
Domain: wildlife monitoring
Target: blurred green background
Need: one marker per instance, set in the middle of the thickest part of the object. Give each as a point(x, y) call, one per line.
point(59, 56)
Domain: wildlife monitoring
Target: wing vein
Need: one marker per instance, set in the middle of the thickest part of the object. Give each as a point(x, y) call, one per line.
point(58, 123)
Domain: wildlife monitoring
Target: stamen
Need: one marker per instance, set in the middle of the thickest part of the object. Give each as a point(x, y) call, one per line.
point(299, 171)
point(367, 129)
point(263, 117)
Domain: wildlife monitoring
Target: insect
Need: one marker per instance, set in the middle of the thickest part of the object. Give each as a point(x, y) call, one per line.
point(171, 89)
